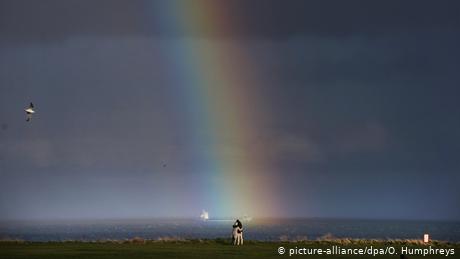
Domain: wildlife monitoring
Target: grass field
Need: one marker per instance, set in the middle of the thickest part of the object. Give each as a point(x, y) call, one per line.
point(197, 249)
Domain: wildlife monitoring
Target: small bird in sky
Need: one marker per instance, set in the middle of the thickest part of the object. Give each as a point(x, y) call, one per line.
point(29, 111)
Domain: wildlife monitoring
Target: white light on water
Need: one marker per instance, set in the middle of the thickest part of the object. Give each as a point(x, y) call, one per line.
point(204, 215)
point(247, 218)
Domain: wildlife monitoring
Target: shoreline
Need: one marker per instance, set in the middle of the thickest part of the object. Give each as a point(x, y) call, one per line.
point(139, 240)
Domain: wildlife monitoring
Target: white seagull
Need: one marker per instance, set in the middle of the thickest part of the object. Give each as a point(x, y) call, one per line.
point(29, 111)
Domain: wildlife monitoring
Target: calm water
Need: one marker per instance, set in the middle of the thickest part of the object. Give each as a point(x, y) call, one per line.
point(256, 229)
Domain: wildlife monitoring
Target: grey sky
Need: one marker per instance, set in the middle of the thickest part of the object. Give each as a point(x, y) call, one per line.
point(359, 104)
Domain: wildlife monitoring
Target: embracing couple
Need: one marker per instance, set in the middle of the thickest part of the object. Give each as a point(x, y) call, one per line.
point(237, 235)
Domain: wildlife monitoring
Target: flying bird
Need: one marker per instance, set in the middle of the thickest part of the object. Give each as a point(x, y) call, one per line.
point(29, 111)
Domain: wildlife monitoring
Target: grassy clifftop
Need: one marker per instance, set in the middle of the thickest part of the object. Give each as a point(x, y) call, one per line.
point(138, 248)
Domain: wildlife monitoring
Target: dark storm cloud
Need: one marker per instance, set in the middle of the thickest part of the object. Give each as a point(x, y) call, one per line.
point(51, 20)
point(360, 96)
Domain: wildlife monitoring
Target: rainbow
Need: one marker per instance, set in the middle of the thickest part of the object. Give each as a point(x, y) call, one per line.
point(217, 76)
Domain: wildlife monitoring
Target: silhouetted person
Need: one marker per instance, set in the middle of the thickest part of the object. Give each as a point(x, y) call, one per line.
point(237, 237)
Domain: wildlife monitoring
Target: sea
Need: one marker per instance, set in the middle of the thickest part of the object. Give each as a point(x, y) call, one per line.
point(255, 229)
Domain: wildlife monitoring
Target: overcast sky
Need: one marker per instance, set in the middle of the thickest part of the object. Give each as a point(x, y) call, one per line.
point(362, 96)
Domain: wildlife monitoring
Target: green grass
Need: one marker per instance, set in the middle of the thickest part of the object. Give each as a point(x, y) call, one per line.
point(192, 249)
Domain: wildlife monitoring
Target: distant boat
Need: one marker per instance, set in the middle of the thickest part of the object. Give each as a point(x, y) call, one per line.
point(204, 215)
